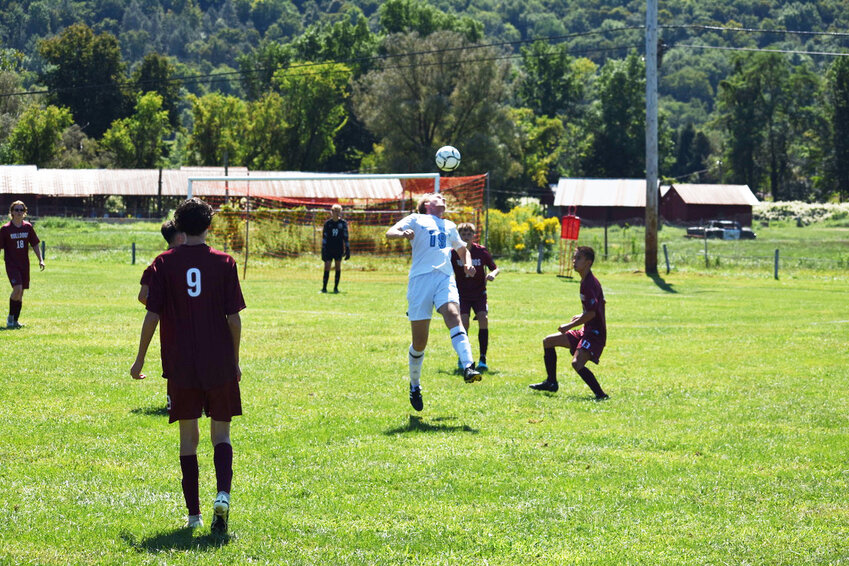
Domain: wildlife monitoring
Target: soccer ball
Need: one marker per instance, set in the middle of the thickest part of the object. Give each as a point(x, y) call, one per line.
point(447, 158)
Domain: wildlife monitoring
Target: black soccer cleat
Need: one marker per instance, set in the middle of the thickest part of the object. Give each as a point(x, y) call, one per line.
point(416, 398)
point(471, 375)
point(602, 397)
point(547, 385)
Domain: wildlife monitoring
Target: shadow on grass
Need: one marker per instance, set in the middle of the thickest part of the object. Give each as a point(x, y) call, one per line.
point(151, 411)
point(417, 424)
point(178, 539)
point(661, 284)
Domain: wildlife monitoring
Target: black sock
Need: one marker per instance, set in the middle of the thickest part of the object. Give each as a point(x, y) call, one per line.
point(483, 342)
point(590, 380)
point(15, 309)
point(189, 467)
point(223, 459)
point(336, 280)
point(326, 277)
point(550, 357)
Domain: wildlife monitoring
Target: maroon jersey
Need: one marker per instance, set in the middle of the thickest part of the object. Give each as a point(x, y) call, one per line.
point(146, 275)
point(193, 289)
point(472, 288)
point(16, 242)
point(592, 299)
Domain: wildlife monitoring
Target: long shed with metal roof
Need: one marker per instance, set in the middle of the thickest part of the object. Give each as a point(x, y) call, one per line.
point(685, 202)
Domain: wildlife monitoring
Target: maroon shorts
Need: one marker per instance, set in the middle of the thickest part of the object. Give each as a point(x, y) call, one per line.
point(220, 404)
point(478, 305)
point(589, 341)
point(17, 276)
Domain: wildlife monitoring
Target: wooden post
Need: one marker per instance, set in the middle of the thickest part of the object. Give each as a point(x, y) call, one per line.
point(651, 137)
point(134, 253)
point(666, 256)
point(776, 265)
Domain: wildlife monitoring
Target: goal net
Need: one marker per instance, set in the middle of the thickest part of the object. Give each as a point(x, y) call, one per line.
point(283, 216)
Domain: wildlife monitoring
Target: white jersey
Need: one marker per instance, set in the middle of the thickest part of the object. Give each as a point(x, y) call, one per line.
point(432, 245)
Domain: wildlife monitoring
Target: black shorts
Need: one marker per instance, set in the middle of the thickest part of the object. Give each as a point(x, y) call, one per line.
point(220, 404)
point(328, 254)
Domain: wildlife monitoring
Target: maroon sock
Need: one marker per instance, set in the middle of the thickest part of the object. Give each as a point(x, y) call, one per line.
point(189, 466)
point(483, 342)
point(590, 380)
point(550, 357)
point(223, 459)
point(15, 309)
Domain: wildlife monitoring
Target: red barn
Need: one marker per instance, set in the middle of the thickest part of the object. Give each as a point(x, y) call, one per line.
point(681, 203)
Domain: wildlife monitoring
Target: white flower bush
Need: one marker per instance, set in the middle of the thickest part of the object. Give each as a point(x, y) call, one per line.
point(808, 213)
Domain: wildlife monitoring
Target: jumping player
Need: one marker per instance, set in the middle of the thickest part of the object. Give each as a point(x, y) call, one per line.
point(473, 289)
point(14, 237)
point(334, 244)
point(195, 293)
point(585, 344)
point(432, 285)
point(174, 238)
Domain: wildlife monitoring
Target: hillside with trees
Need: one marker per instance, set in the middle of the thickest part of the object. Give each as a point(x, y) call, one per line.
point(752, 91)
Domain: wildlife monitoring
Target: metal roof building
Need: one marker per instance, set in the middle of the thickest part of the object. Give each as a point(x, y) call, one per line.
point(695, 202)
point(603, 200)
point(29, 180)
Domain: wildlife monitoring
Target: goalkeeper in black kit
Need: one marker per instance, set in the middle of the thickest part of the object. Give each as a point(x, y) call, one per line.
point(334, 245)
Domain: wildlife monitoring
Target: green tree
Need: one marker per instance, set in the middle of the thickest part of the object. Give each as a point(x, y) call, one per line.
point(266, 141)
point(838, 96)
point(219, 124)
point(156, 74)
point(755, 105)
point(434, 91)
point(549, 86)
point(619, 120)
point(314, 110)
point(258, 67)
point(405, 16)
point(36, 138)
point(138, 140)
point(542, 143)
point(85, 73)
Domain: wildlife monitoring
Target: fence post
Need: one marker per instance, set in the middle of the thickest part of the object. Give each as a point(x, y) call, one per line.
point(539, 258)
point(776, 265)
point(666, 256)
point(134, 253)
point(43, 256)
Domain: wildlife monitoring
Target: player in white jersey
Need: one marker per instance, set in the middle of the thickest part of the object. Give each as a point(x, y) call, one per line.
point(432, 285)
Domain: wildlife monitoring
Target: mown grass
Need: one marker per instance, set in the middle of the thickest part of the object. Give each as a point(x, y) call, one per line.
point(724, 440)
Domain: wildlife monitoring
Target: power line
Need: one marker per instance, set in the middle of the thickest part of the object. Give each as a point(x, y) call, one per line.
point(762, 49)
point(755, 30)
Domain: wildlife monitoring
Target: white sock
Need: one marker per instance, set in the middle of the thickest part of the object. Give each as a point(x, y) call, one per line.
point(415, 358)
point(460, 341)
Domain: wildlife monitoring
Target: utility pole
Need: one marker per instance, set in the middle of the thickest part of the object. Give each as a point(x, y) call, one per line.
point(651, 138)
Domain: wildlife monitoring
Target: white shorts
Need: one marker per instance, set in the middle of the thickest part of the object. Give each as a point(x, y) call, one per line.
point(424, 292)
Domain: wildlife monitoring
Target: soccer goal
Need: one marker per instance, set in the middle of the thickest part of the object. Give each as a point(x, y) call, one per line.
point(283, 215)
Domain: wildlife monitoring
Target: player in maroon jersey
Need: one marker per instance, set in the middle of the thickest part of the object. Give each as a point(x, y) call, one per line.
point(587, 343)
point(473, 289)
point(196, 298)
point(14, 237)
point(174, 238)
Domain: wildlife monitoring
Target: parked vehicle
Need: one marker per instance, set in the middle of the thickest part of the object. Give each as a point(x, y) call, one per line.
point(721, 230)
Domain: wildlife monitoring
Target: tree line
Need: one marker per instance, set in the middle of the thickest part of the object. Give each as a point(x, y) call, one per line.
point(354, 95)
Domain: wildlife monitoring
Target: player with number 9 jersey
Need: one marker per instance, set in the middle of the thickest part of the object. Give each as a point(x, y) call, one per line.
point(193, 290)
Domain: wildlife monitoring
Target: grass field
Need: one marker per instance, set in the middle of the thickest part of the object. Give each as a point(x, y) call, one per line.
point(724, 441)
